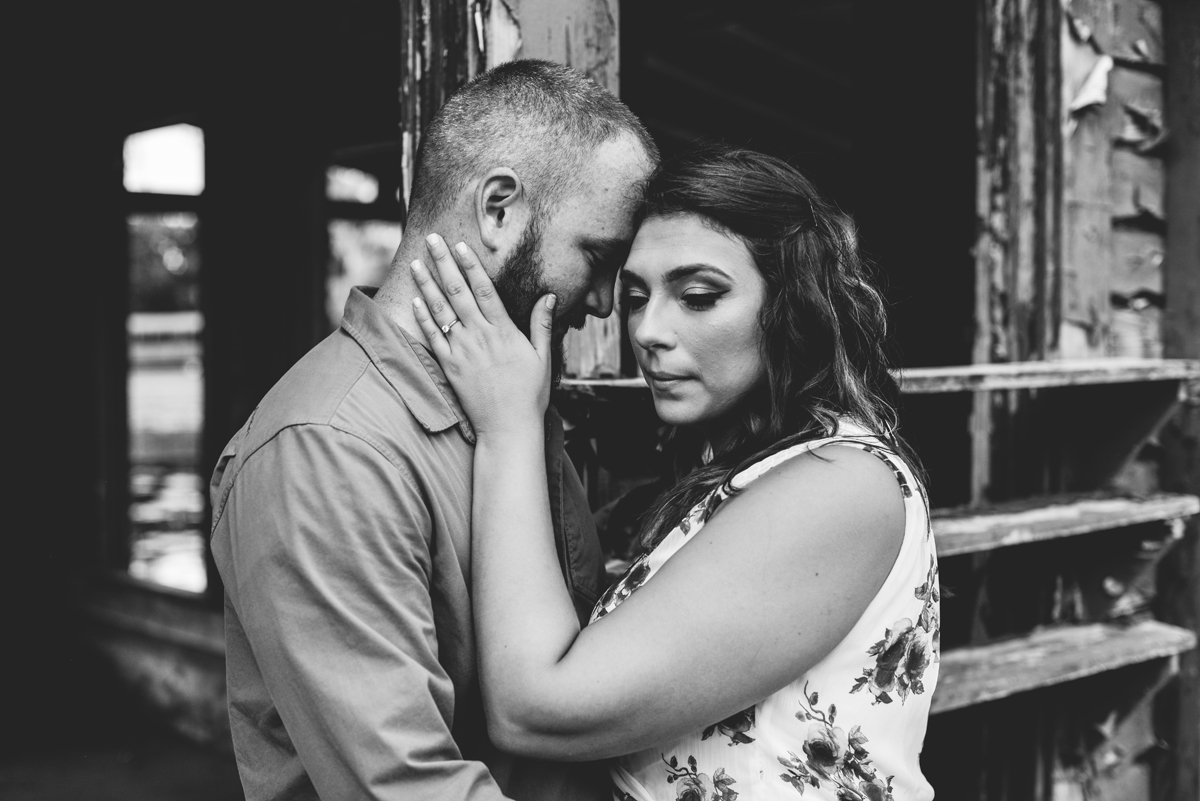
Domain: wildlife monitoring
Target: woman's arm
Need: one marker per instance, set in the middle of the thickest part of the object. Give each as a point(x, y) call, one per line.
point(767, 588)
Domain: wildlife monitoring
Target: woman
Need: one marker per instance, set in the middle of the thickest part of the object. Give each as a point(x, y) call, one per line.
point(781, 634)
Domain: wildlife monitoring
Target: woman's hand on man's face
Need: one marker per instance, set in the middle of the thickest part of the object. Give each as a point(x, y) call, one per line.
point(501, 378)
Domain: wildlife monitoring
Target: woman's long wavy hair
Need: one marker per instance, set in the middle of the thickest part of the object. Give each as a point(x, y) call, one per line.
point(823, 322)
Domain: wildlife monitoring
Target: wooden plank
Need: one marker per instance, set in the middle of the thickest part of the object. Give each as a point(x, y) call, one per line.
point(1040, 375)
point(1047, 657)
point(960, 531)
point(980, 377)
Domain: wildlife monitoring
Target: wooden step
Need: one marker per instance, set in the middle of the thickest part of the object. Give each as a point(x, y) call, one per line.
point(978, 377)
point(973, 675)
point(959, 531)
point(1041, 375)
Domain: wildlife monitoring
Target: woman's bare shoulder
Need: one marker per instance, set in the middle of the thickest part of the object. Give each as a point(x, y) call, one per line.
point(823, 496)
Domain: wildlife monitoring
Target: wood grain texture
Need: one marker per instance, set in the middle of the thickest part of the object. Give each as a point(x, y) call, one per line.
point(1046, 657)
point(1039, 375)
point(960, 531)
point(975, 377)
point(1017, 200)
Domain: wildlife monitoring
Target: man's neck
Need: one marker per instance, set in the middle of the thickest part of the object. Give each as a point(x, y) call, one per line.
point(398, 289)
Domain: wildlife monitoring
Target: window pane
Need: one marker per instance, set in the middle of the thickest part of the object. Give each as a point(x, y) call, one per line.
point(351, 185)
point(166, 402)
point(360, 253)
point(166, 160)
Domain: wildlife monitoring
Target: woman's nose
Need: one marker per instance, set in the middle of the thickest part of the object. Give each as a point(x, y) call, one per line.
point(648, 328)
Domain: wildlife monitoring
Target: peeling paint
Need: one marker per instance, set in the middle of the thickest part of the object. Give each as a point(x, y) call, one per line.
point(503, 40)
point(1143, 127)
point(1094, 92)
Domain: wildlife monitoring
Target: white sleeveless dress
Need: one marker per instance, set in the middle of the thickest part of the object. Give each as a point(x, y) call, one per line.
point(851, 727)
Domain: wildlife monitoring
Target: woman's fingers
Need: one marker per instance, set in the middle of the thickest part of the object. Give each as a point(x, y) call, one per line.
point(541, 326)
point(481, 285)
point(454, 285)
point(433, 332)
point(439, 309)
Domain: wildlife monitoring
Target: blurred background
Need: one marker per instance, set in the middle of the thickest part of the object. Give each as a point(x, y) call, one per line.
point(199, 187)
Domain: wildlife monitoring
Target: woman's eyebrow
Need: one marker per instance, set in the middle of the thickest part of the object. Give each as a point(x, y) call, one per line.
point(676, 273)
point(688, 270)
point(628, 276)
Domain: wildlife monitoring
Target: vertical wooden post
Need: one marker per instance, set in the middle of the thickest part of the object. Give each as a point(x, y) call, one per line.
point(440, 50)
point(1179, 588)
point(581, 34)
point(1018, 206)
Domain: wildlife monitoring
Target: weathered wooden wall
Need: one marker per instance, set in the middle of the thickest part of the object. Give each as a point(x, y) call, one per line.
point(1113, 217)
point(1071, 179)
point(1088, 245)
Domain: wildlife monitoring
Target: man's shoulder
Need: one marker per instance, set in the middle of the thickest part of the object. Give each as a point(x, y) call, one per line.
point(336, 390)
point(334, 385)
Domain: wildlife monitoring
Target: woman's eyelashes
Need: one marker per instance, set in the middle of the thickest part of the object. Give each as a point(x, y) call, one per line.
point(693, 299)
point(701, 301)
point(633, 300)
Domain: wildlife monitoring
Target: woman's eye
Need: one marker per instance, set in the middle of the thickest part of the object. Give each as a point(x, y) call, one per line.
point(701, 300)
point(631, 301)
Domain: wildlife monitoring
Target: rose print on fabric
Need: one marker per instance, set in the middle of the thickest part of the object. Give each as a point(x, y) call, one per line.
point(692, 785)
point(833, 758)
point(929, 595)
point(634, 577)
point(906, 650)
point(734, 727)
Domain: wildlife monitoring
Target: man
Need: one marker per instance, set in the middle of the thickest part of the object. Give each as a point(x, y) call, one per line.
point(342, 507)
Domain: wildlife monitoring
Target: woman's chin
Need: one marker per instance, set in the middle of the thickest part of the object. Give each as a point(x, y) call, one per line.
point(674, 413)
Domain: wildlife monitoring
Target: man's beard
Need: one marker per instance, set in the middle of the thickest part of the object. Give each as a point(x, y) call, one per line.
point(521, 283)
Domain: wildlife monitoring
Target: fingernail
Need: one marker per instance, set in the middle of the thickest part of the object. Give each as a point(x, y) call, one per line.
point(432, 239)
point(551, 301)
point(417, 302)
point(461, 247)
point(416, 266)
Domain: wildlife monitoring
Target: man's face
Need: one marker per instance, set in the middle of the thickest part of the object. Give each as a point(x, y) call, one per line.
point(577, 248)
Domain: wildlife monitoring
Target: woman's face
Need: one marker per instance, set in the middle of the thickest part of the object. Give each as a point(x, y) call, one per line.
point(694, 297)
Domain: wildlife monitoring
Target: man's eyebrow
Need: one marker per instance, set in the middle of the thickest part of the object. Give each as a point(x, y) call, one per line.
point(606, 247)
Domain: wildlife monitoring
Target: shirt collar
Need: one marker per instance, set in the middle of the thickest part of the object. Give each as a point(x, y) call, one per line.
point(405, 363)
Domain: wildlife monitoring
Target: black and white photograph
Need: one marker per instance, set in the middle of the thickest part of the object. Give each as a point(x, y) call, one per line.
point(603, 400)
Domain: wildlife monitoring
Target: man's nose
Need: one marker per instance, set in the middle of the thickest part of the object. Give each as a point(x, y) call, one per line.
point(599, 300)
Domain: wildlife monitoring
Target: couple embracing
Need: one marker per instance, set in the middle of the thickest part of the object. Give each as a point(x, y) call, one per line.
point(415, 602)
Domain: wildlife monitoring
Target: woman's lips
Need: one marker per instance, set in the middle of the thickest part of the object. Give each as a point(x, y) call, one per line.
point(664, 381)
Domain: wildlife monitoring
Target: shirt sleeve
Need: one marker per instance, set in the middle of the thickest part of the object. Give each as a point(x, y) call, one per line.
point(332, 570)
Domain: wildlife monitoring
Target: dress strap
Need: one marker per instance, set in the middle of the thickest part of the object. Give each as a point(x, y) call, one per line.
point(864, 442)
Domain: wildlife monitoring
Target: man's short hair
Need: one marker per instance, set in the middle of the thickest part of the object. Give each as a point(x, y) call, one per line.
point(541, 119)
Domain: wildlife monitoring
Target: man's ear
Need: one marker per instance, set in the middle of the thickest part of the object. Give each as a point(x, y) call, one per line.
point(501, 209)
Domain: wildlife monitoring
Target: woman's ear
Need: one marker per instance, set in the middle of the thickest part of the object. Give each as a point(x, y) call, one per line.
point(501, 209)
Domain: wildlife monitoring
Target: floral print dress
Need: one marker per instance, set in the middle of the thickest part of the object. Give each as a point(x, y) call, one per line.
point(849, 729)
